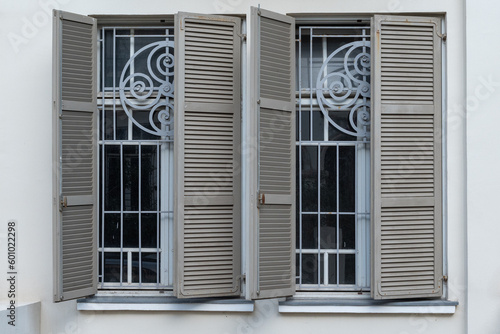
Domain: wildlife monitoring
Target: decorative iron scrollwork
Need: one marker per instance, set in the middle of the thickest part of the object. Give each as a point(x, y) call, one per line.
point(152, 91)
point(347, 88)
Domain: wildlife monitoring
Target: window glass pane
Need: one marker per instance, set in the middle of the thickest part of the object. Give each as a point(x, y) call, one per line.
point(347, 265)
point(149, 228)
point(328, 232)
point(328, 179)
point(142, 117)
point(347, 179)
point(112, 267)
point(309, 268)
point(332, 269)
point(112, 183)
point(149, 267)
point(347, 228)
point(318, 125)
point(122, 122)
point(306, 125)
point(112, 230)
point(309, 232)
point(130, 178)
point(309, 179)
point(149, 179)
point(130, 230)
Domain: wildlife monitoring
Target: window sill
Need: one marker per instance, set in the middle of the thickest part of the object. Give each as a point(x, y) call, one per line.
point(156, 303)
point(367, 306)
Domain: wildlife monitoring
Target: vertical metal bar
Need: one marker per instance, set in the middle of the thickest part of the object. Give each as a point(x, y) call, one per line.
point(337, 211)
point(129, 267)
point(139, 157)
point(311, 84)
point(318, 210)
point(132, 71)
point(300, 156)
point(121, 213)
point(326, 270)
point(103, 148)
point(158, 209)
point(114, 83)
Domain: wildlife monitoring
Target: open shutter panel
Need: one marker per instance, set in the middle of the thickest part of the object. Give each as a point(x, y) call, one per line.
point(207, 141)
point(75, 109)
point(273, 245)
point(406, 158)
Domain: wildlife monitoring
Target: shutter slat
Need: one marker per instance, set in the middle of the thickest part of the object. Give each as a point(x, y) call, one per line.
point(406, 157)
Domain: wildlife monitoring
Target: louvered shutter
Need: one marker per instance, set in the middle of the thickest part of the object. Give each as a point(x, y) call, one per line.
point(74, 124)
point(406, 158)
point(273, 233)
point(207, 142)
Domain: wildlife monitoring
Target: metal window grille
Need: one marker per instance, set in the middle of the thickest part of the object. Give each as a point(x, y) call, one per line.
point(135, 157)
point(333, 158)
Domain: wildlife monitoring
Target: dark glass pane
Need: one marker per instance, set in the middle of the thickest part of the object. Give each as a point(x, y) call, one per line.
point(347, 235)
point(328, 179)
point(318, 125)
point(142, 117)
point(112, 267)
point(108, 58)
point(130, 178)
point(112, 183)
point(347, 269)
point(122, 56)
point(306, 125)
point(149, 184)
point(309, 232)
point(108, 125)
point(309, 268)
point(130, 230)
point(149, 267)
point(141, 60)
point(332, 269)
point(121, 125)
point(347, 179)
point(309, 179)
point(146, 270)
point(112, 230)
point(321, 269)
point(149, 231)
point(341, 118)
point(328, 232)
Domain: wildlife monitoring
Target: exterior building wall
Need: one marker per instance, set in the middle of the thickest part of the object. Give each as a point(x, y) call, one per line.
point(26, 172)
point(483, 180)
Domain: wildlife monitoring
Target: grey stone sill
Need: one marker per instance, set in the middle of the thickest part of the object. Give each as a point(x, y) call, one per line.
point(163, 303)
point(367, 306)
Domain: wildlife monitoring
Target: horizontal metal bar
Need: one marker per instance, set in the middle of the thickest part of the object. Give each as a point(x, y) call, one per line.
point(139, 211)
point(129, 249)
point(325, 251)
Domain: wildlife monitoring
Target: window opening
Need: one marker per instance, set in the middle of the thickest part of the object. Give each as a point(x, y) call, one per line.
point(333, 158)
point(135, 156)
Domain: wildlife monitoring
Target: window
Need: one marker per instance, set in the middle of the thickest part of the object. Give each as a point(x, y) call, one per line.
point(135, 103)
point(403, 150)
point(333, 157)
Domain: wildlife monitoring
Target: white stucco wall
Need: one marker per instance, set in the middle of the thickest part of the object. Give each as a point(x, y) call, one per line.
point(483, 157)
point(26, 175)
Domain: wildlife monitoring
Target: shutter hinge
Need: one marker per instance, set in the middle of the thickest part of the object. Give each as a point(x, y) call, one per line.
point(63, 203)
point(243, 37)
point(262, 198)
point(445, 278)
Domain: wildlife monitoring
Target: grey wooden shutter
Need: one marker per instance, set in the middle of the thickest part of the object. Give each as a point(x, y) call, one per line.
point(406, 158)
point(273, 233)
point(207, 145)
point(74, 124)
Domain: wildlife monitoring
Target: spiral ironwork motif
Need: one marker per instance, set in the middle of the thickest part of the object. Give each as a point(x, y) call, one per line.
point(151, 91)
point(348, 88)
